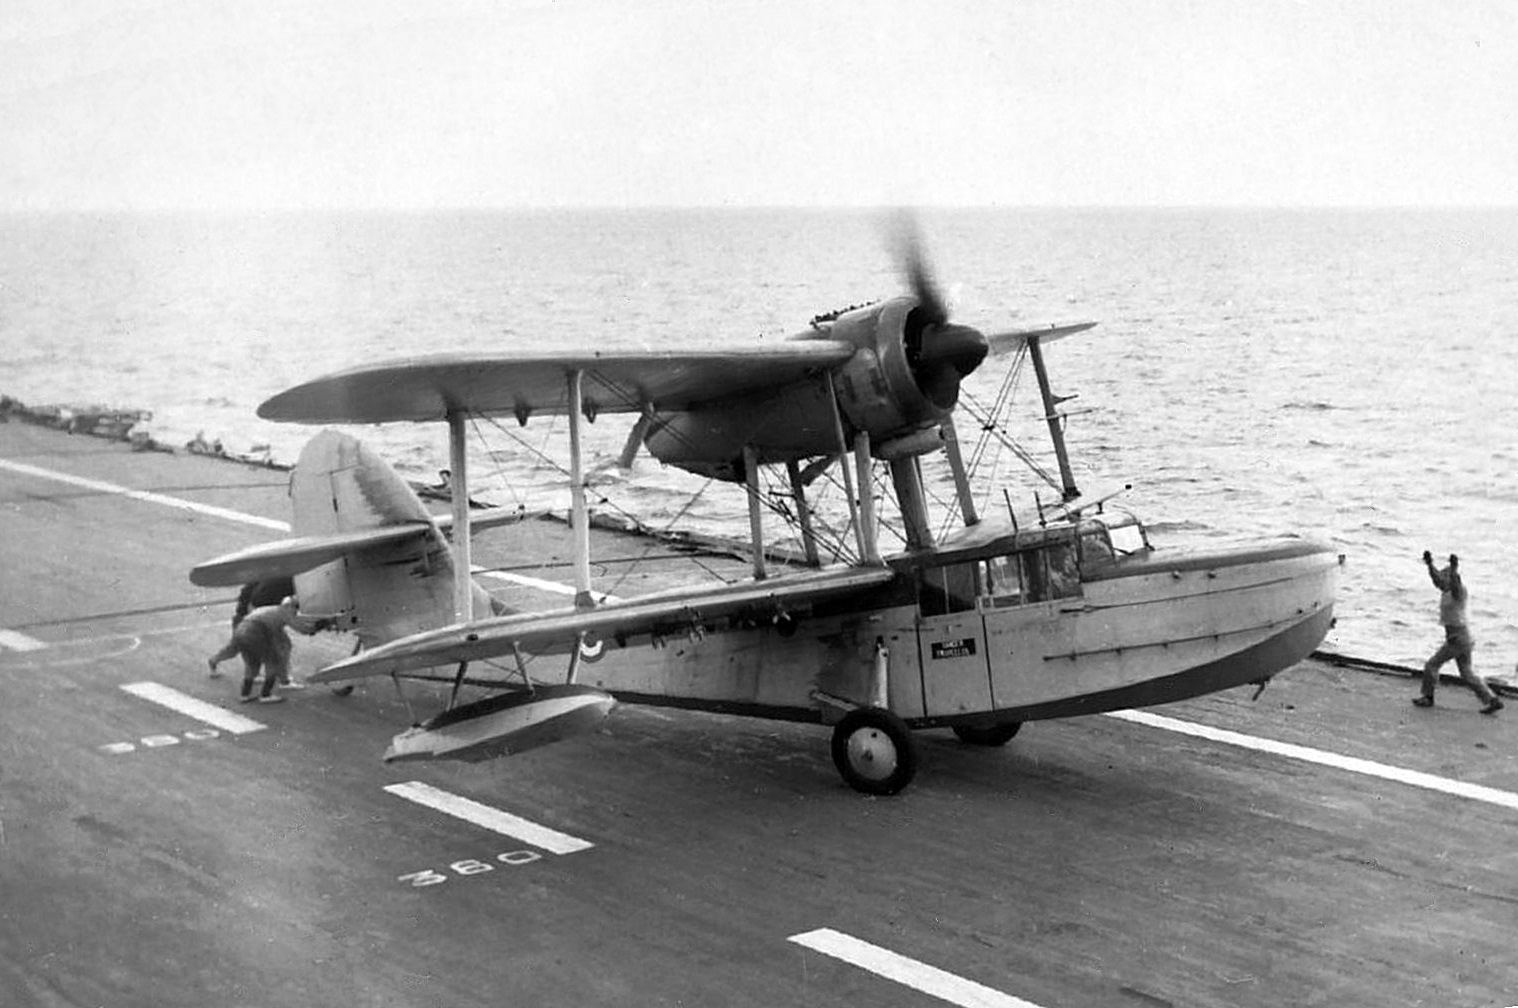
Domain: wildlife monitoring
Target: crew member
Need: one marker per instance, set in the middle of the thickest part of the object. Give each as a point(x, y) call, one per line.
point(254, 595)
point(1457, 636)
point(261, 639)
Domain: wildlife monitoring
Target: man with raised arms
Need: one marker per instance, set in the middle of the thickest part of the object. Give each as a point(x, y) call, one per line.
point(1457, 637)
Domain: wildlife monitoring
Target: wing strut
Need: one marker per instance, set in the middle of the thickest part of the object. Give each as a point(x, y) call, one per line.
point(635, 437)
point(1056, 432)
point(803, 513)
point(906, 474)
point(458, 487)
point(956, 459)
point(848, 479)
point(868, 530)
point(755, 514)
point(579, 519)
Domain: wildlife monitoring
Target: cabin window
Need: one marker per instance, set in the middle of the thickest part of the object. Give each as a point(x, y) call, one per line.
point(1035, 575)
point(948, 589)
point(1004, 580)
point(1064, 573)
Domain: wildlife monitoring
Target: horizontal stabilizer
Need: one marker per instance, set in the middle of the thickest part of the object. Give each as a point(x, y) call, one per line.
point(287, 557)
point(504, 724)
point(488, 519)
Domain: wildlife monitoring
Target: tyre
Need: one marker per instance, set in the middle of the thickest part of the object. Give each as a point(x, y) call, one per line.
point(874, 751)
point(988, 735)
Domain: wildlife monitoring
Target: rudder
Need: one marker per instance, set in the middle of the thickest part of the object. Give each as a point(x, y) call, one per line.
point(381, 592)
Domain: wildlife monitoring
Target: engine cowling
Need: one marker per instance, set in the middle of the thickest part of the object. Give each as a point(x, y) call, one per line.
point(904, 376)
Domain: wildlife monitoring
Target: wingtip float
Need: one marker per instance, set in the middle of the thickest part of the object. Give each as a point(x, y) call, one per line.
point(503, 725)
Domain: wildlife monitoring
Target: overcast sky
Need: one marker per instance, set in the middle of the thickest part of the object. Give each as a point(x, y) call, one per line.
point(426, 103)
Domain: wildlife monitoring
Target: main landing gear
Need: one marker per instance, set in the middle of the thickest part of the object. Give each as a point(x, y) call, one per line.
point(874, 751)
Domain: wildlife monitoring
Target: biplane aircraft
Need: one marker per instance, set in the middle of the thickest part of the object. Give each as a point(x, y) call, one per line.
point(979, 630)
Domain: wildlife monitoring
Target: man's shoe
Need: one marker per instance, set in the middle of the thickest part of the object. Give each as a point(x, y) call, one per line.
point(247, 699)
point(1493, 707)
point(271, 698)
point(292, 684)
point(1423, 701)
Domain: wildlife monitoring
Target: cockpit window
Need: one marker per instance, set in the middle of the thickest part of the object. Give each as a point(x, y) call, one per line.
point(1096, 548)
point(1128, 539)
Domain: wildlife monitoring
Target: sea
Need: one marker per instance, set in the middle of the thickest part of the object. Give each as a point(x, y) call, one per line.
point(1337, 374)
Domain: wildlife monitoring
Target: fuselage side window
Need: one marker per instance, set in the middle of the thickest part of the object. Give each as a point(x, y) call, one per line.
point(1004, 580)
point(947, 589)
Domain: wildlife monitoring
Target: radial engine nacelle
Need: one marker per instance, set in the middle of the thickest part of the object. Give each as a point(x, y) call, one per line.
point(903, 377)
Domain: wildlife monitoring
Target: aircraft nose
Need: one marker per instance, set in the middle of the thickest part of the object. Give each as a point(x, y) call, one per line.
point(959, 346)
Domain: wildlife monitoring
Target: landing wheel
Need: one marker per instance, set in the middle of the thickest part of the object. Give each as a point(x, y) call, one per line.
point(988, 735)
point(874, 751)
point(342, 690)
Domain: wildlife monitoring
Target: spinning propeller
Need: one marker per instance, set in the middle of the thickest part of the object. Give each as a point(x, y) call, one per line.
point(940, 353)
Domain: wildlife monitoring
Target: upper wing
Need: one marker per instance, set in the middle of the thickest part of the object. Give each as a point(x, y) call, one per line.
point(285, 557)
point(428, 388)
point(671, 612)
point(1002, 342)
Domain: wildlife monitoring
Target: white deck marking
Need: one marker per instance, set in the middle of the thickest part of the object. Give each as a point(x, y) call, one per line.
point(217, 717)
point(1414, 778)
point(14, 640)
point(541, 584)
point(557, 587)
point(909, 972)
point(100, 486)
point(493, 819)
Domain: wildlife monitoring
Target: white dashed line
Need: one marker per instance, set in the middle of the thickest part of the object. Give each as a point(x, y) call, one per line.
point(492, 819)
point(14, 640)
point(100, 486)
point(908, 972)
point(1414, 778)
point(200, 710)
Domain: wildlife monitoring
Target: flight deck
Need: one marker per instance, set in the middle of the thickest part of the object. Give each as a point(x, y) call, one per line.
point(1322, 843)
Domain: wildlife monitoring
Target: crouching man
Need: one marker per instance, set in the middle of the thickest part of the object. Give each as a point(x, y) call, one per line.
point(262, 640)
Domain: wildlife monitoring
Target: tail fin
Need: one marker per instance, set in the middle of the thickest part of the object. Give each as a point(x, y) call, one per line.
point(341, 487)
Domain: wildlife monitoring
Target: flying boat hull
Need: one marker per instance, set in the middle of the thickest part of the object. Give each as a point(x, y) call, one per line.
point(1149, 629)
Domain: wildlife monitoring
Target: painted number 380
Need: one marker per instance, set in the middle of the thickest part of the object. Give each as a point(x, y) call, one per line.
point(468, 866)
